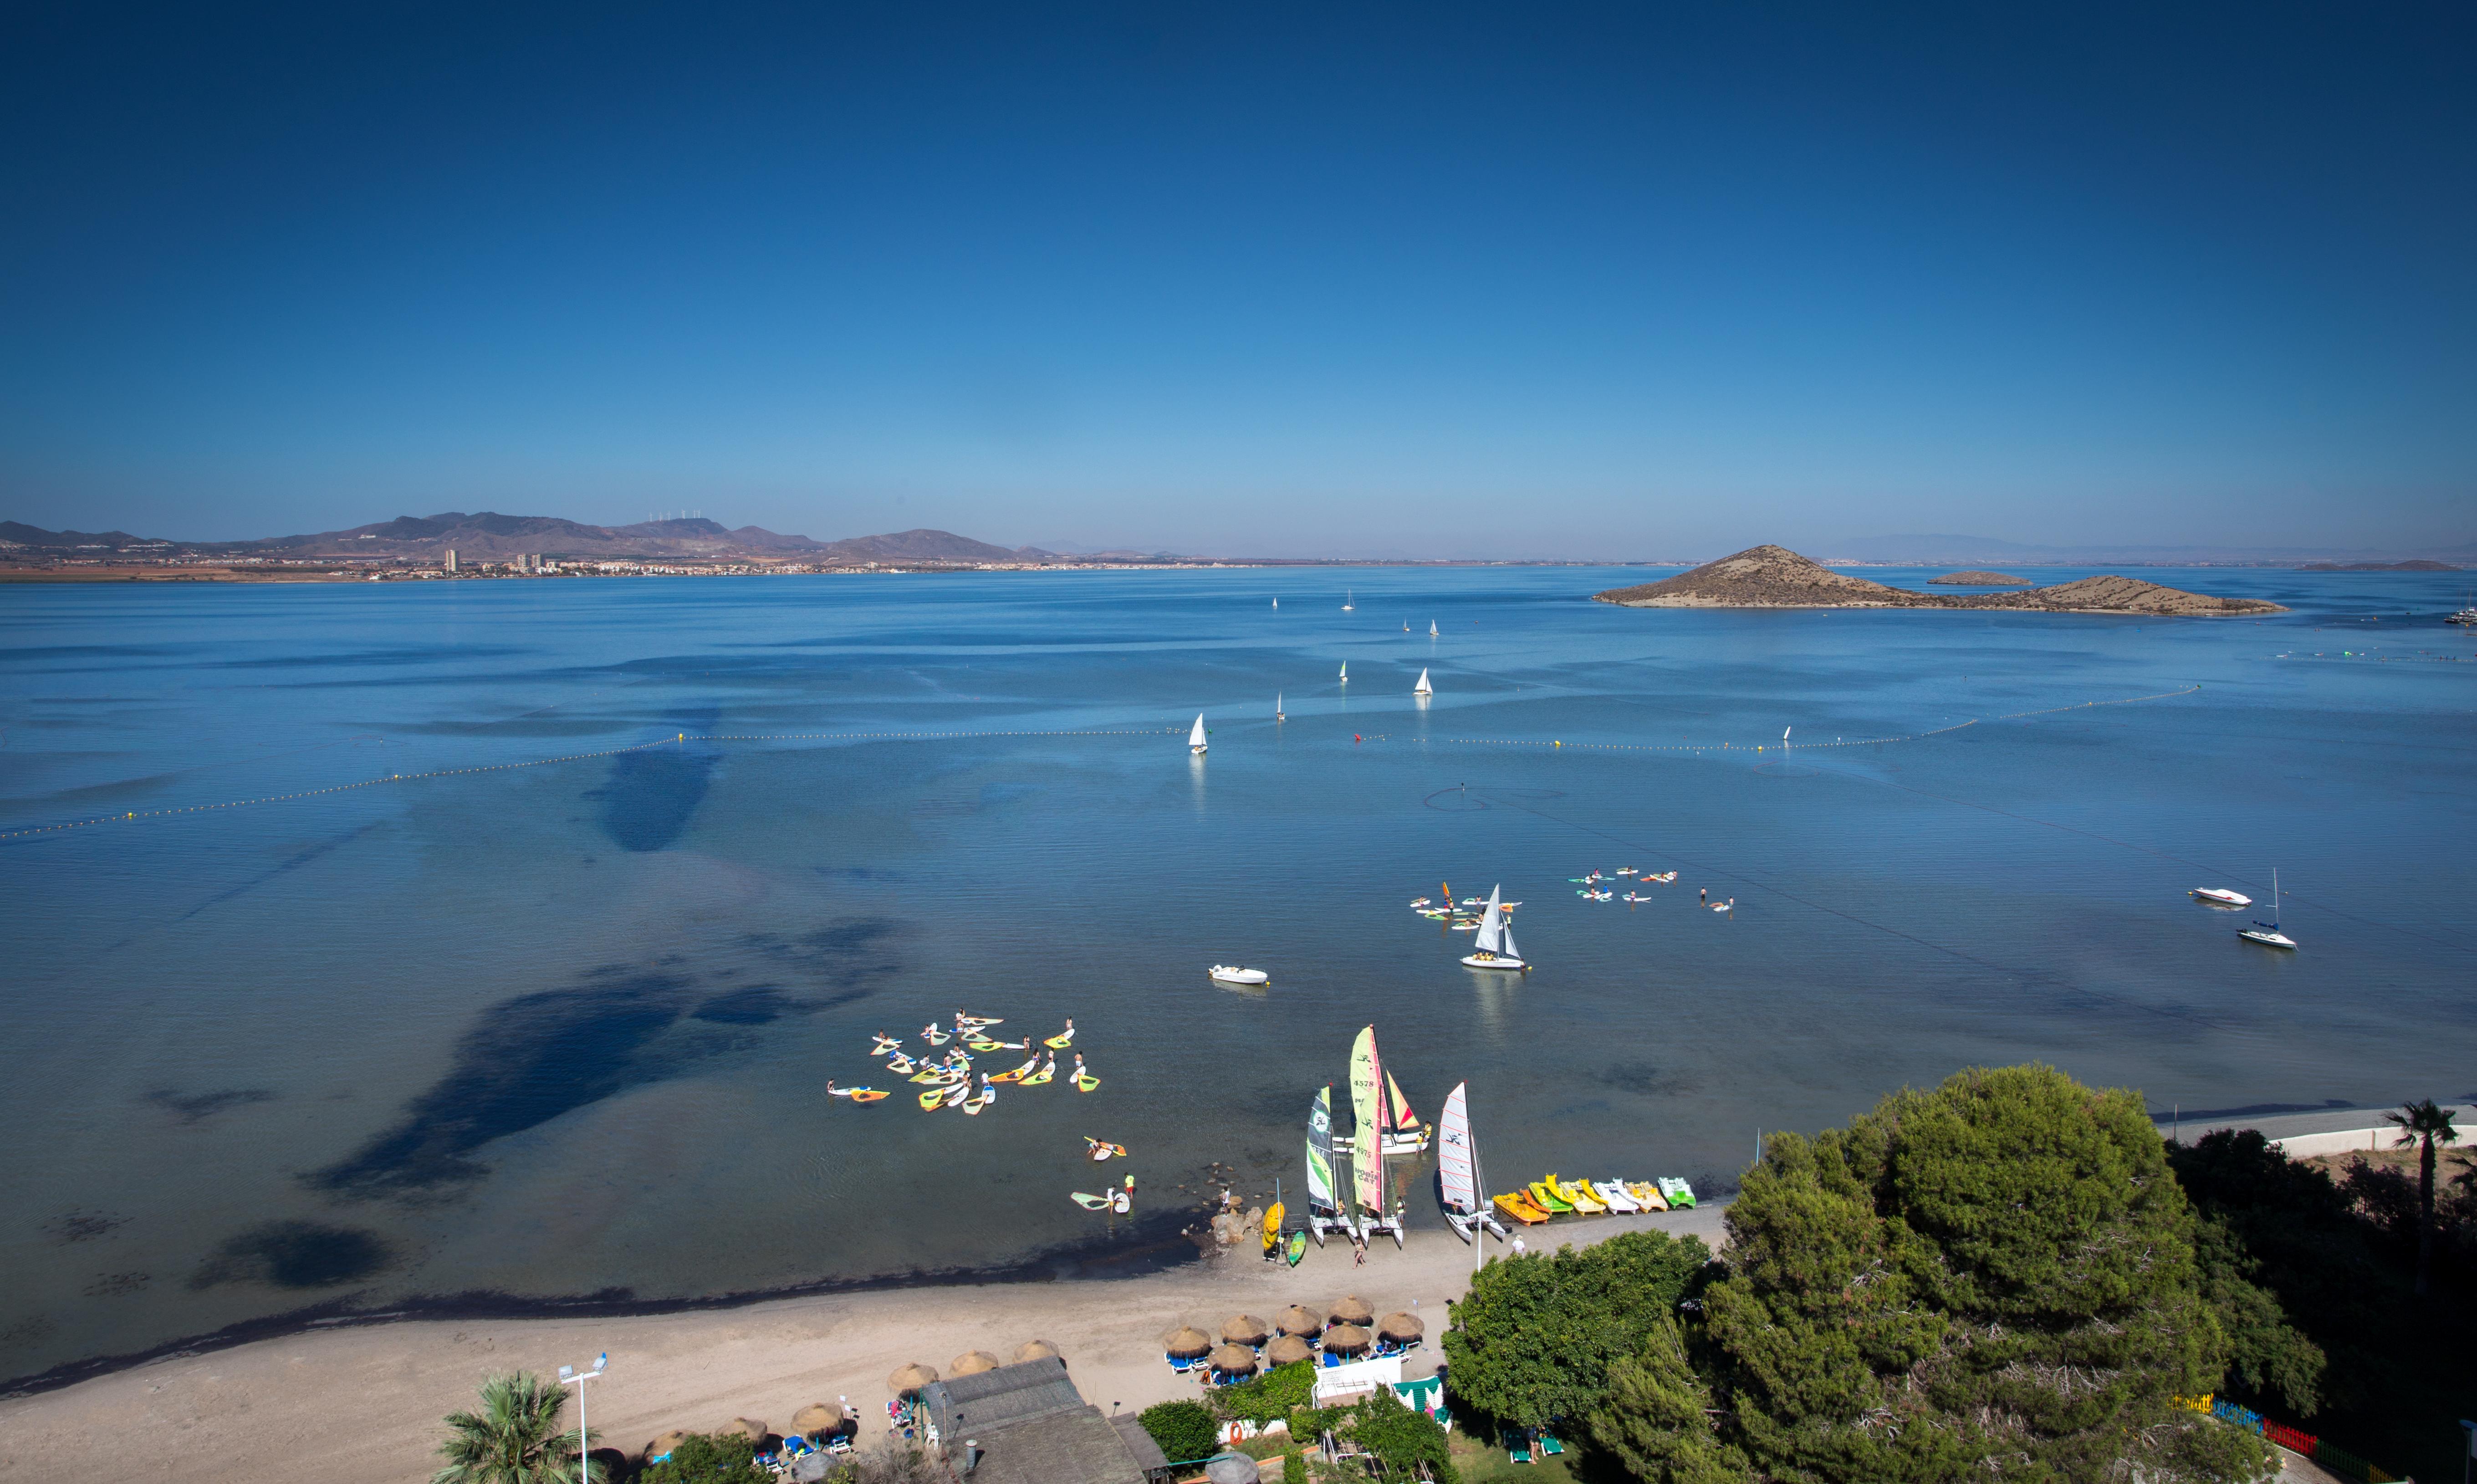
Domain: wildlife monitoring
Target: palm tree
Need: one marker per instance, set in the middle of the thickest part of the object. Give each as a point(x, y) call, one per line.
point(515, 1439)
point(2425, 1126)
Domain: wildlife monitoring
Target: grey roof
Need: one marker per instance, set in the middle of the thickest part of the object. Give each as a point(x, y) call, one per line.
point(965, 1405)
point(1140, 1443)
point(1065, 1447)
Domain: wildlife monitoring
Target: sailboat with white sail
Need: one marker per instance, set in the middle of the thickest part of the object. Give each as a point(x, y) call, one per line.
point(1349, 604)
point(1327, 1211)
point(1195, 737)
point(1457, 1177)
point(1431, 628)
point(1345, 672)
point(1368, 1110)
point(2267, 934)
point(1493, 948)
point(1277, 708)
point(1423, 688)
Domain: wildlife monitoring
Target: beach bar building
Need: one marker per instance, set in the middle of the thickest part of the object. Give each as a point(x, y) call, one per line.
point(1028, 1425)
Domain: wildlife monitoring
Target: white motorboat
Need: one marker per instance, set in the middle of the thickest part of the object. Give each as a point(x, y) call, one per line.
point(1423, 688)
point(1494, 948)
point(1232, 973)
point(2221, 897)
point(1196, 739)
point(2267, 934)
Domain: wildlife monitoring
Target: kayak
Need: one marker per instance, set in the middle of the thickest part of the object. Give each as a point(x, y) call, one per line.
point(1520, 1206)
point(1547, 1199)
point(1298, 1248)
point(1101, 1151)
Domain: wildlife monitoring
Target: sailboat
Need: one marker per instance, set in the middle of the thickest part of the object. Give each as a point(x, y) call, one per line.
point(1494, 948)
point(1423, 688)
point(1368, 1111)
point(2267, 934)
point(1457, 1179)
point(1277, 602)
point(1347, 606)
point(1325, 1209)
point(1345, 672)
point(1277, 708)
point(1431, 628)
point(1405, 1134)
point(1196, 739)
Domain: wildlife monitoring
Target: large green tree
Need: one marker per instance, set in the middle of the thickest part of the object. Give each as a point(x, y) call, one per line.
point(1530, 1344)
point(1995, 1277)
point(516, 1438)
point(2424, 1125)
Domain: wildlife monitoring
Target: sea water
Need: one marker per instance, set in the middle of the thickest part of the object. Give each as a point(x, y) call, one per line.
point(461, 946)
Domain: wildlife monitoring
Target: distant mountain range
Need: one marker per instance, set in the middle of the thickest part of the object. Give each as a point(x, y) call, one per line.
point(485, 536)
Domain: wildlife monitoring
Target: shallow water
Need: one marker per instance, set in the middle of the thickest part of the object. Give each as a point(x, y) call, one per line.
point(563, 1030)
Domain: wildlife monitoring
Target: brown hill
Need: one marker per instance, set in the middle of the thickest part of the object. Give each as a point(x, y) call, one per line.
point(1774, 577)
point(1978, 580)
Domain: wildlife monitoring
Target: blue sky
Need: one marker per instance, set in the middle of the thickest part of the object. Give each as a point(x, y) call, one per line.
point(1527, 281)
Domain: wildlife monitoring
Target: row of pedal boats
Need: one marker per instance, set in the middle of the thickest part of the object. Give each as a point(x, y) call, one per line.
point(1551, 1196)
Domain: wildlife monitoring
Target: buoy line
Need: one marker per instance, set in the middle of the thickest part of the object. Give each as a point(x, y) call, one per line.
point(1802, 746)
point(679, 739)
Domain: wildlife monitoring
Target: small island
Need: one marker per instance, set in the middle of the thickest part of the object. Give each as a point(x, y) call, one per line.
point(1774, 577)
point(1978, 580)
point(2419, 565)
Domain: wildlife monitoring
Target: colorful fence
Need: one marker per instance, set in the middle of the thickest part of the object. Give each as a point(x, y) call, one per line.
point(2329, 1455)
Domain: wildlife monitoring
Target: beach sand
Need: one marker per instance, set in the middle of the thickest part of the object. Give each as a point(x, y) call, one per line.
point(364, 1403)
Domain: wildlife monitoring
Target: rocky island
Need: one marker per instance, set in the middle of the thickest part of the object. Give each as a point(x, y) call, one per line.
point(1774, 577)
point(1978, 580)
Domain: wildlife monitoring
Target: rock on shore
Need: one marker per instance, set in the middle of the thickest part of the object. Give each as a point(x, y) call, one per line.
point(1774, 577)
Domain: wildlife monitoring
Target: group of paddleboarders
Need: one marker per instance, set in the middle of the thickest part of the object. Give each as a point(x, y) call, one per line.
point(949, 1077)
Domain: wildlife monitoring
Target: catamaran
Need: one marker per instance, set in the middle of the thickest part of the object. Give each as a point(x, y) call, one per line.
point(1423, 688)
point(1326, 1210)
point(2267, 934)
point(1196, 739)
point(1404, 1133)
point(1493, 948)
point(1368, 1110)
point(1457, 1179)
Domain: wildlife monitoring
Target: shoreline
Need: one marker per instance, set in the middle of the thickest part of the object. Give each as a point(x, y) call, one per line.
point(364, 1399)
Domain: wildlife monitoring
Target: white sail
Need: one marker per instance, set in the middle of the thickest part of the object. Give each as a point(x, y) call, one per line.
point(1277, 705)
point(1491, 926)
point(1431, 628)
point(1457, 1161)
point(1423, 688)
point(1196, 739)
point(1505, 940)
point(1345, 672)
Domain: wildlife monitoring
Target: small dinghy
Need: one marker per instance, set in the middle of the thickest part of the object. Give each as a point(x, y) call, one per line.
point(1494, 949)
point(1232, 973)
point(1423, 688)
point(2221, 897)
point(1195, 739)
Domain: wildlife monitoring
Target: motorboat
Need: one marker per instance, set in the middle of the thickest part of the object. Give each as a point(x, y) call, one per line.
point(2221, 897)
point(1232, 973)
point(2267, 934)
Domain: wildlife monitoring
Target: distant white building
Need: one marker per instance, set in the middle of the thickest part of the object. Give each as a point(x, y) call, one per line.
point(451, 558)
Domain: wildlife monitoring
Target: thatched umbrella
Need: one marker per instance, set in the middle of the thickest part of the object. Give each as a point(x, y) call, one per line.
point(748, 1428)
point(1287, 1349)
point(911, 1379)
point(1244, 1329)
point(1353, 1310)
point(1299, 1320)
point(816, 1418)
point(1400, 1328)
point(971, 1363)
point(665, 1442)
point(1236, 1359)
point(1345, 1340)
point(1037, 1349)
point(1186, 1341)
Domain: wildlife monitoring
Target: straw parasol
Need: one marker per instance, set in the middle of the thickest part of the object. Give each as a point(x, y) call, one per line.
point(1299, 1320)
point(971, 1363)
point(1037, 1349)
point(665, 1442)
point(1345, 1340)
point(1185, 1341)
point(748, 1428)
point(818, 1417)
point(1400, 1328)
point(1237, 1359)
point(1288, 1350)
point(1353, 1310)
point(1244, 1329)
point(911, 1379)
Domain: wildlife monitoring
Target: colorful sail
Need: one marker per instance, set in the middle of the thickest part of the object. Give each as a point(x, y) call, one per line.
point(1320, 1152)
point(1367, 1112)
point(1403, 1117)
point(1457, 1161)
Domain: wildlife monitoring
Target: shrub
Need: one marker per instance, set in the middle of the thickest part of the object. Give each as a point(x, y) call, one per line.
point(701, 1458)
point(1276, 1394)
point(1186, 1431)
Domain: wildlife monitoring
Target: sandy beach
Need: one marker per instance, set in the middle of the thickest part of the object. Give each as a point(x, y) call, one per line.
point(364, 1403)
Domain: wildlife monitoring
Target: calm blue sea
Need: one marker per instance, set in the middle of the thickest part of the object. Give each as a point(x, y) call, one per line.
point(533, 1032)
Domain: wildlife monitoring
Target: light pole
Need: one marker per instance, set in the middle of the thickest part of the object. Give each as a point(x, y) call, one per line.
point(570, 1376)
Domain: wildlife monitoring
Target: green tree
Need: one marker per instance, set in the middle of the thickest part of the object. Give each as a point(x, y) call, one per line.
point(1186, 1431)
point(703, 1458)
point(1532, 1343)
point(516, 1438)
point(1276, 1394)
point(1402, 1439)
point(1992, 1278)
point(2424, 1125)
point(1657, 1418)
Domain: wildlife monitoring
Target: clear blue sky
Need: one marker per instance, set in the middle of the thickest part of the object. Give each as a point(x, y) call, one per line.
point(1528, 280)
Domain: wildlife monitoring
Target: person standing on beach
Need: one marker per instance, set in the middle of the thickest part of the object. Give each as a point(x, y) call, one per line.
point(1359, 1255)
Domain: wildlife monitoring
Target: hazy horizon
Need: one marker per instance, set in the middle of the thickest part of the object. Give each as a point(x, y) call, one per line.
point(1401, 284)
